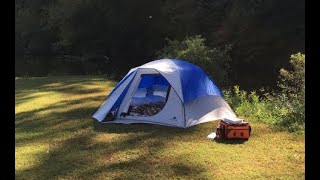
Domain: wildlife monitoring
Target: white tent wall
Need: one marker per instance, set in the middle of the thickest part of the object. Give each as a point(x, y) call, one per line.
point(207, 108)
point(101, 113)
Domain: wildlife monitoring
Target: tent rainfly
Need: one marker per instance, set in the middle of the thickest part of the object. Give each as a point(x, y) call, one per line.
point(167, 92)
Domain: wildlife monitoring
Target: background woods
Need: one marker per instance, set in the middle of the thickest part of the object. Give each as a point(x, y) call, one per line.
point(110, 37)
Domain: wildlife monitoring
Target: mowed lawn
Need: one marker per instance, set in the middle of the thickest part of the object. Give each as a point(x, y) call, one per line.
point(56, 138)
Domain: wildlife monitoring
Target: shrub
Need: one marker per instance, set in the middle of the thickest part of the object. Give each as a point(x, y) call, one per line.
point(292, 82)
point(285, 109)
point(292, 97)
point(215, 61)
point(248, 105)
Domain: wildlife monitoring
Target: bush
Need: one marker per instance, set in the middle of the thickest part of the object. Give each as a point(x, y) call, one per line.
point(249, 105)
point(292, 97)
point(216, 62)
point(285, 109)
point(292, 82)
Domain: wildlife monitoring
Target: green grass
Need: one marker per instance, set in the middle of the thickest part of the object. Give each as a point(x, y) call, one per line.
point(56, 138)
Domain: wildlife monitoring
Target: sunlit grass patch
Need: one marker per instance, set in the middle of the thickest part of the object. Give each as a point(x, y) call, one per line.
point(56, 138)
point(39, 100)
point(29, 155)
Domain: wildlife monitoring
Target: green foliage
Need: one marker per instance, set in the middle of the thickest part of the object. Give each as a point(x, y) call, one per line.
point(248, 105)
point(216, 62)
point(292, 83)
point(285, 109)
point(262, 33)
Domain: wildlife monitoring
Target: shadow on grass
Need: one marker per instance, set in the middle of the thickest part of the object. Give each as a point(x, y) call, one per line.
point(186, 170)
point(41, 123)
point(77, 156)
point(52, 124)
point(138, 127)
point(25, 88)
point(58, 82)
point(66, 85)
point(230, 141)
point(135, 154)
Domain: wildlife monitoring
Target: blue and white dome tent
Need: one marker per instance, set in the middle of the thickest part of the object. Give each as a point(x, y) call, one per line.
point(167, 92)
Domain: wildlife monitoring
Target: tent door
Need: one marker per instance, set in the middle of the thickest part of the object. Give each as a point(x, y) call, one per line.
point(160, 105)
point(124, 107)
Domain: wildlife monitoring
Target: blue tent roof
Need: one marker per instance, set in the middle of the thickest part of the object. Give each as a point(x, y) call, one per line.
point(194, 81)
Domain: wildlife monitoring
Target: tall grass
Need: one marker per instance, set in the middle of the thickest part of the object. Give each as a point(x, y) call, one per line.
point(248, 104)
point(277, 109)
